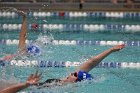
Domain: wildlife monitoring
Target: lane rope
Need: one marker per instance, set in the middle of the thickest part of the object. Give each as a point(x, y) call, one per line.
point(76, 42)
point(43, 64)
point(75, 27)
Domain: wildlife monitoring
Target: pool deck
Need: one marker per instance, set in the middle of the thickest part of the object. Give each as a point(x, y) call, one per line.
point(72, 6)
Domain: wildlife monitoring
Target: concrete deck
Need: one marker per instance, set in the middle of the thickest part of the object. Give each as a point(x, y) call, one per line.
point(71, 6)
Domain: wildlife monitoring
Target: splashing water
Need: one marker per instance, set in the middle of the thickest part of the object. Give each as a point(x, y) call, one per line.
point(45, 40)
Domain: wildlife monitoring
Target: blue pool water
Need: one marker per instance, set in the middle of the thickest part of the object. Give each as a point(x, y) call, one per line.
point(107, 79)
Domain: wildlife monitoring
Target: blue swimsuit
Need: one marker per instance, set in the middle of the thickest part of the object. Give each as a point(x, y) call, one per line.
point(82, 75)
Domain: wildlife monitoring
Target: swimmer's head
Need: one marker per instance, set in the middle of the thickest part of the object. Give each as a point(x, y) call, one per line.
point(73, 77)
point(33, 50)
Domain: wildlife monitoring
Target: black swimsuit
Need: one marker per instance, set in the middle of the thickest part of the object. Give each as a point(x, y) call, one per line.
point(50, 83)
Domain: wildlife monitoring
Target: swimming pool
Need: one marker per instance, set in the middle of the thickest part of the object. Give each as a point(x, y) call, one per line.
point(77, 38)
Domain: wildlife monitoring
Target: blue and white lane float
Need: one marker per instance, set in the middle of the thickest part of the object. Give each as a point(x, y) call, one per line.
point(76, 27)
point(43, 64)
point(8, 14)
point(77, 42)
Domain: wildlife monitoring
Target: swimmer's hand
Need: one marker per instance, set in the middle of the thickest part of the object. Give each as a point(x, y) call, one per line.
point(117, 47)
point(22, 13)
point(33, 79)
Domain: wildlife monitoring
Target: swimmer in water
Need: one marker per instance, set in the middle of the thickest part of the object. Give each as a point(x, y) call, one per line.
point(22, 38)
point(78, 75)
point(22, 49)
point(82, 73)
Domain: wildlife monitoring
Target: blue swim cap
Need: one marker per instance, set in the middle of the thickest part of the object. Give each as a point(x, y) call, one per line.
point(82, 75)
point(33, 50)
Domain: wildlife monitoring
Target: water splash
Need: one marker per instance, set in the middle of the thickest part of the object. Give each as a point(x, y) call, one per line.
point(45, 39)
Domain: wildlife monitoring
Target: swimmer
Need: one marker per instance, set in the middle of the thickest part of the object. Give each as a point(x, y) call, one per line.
point(31, 49)
point(22, 38)
point(81, 73)
point(33, 79)
point(22, 49)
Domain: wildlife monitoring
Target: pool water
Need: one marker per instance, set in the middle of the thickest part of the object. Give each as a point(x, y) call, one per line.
point(106, 80)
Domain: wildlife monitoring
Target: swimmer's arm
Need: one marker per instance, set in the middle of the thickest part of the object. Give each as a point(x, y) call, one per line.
point(32, 80)
point(15, 88)
point(87, 66)
point(23, 34)
point(8, 57)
